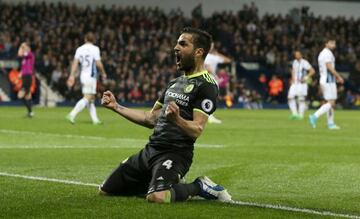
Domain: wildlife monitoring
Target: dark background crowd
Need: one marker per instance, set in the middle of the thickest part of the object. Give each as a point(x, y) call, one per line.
point(137, 47)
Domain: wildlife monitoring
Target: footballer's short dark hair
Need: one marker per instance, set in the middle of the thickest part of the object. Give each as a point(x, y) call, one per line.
point(201, 39)
point(90, 37)
point(328, 39)
point(297, 50)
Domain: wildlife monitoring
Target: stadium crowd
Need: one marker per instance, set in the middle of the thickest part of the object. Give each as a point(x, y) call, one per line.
point(137, 44)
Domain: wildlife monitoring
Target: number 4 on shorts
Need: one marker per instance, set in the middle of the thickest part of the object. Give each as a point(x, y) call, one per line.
point(167, 164)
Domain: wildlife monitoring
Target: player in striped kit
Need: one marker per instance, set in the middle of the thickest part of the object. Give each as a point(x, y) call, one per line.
point(328, 77)
point(88, 56)
point(301, 72)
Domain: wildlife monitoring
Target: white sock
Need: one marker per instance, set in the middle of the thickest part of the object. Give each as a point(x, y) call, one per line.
point(292, 106)
point(302, 106)
point(330, 116)
point(92, 111)
point(80, 105)
point(323, 109)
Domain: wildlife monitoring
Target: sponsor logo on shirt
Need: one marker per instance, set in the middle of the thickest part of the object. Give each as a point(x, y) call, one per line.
point(181, 99)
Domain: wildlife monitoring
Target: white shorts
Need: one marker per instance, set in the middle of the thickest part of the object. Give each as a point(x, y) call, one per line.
point(329, 91)
point(298, 90)
point(88, 85)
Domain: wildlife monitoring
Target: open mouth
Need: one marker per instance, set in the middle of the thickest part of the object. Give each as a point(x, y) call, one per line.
point(178, 58)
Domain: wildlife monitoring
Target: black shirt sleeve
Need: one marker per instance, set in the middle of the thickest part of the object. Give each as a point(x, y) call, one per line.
point(206, 99)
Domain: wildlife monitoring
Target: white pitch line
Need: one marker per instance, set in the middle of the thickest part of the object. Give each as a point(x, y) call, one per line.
point(47, 179)
point(8, 131)
point(293, 209)
point(83, 147)
point(64, 147)
point(251, 204)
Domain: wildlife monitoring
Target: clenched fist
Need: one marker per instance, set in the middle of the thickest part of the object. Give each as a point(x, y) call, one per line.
point(108, 100)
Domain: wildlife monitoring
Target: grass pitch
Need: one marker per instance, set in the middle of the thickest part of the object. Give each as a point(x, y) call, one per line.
point(259, 156)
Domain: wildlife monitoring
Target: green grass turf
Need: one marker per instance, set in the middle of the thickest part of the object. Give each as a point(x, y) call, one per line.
point(265, 158)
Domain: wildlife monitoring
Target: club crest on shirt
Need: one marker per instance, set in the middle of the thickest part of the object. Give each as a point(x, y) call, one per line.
point(188, 88)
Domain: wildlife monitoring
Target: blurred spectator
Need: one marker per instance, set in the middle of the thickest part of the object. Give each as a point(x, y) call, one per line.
point(56, 75)
point(263, 82)
point(276, 86)
point(354, 78)
point(349, 99)
point(357, 100)
point(256, 100)
point(247, 96)
point(137, 42)
point(15, 80)
point(135, 94)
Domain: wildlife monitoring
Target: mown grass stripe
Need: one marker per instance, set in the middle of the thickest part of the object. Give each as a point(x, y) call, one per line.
point(242, 203)
point(100, 138)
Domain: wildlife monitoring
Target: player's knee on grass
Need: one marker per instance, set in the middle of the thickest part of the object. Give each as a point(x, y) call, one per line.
point(126, 179)
point(159, 197)
point(102, 192)
point(164, 177)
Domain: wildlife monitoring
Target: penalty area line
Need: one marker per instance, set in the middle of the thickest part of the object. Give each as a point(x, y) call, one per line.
point(241, 203)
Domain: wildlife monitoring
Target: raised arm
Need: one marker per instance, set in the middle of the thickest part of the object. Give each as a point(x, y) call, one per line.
point(192, 128)
point(144, 118)
point(225, 58)
point(22, 50)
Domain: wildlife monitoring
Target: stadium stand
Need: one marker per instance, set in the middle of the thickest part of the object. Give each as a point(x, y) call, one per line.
point(136, 43)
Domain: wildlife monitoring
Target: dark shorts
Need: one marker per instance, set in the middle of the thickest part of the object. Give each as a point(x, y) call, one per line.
point(150, 170)
point(26, 82)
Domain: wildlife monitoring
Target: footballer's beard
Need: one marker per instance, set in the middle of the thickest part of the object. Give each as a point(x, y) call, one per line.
point(187, 63)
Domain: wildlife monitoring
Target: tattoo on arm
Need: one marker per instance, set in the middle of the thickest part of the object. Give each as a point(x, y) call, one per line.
point(118, 107)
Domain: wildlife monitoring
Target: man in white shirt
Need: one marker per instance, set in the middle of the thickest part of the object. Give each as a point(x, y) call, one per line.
point(301, 72)
point(212, 60)
point(88, 56)
point(328, 78)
